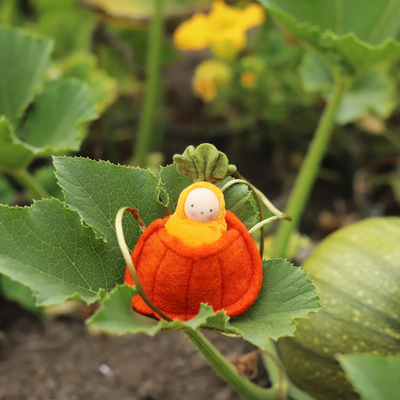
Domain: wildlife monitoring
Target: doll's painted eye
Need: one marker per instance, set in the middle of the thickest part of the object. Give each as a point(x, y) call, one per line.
point(202, 205)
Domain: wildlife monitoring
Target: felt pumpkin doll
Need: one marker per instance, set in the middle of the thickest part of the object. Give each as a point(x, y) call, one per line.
point(202, 253)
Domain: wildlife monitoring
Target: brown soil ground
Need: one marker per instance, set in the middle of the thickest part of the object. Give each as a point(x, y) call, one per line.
point(57, 360)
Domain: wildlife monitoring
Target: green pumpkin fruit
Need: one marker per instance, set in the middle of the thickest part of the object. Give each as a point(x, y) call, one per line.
point(356, 272)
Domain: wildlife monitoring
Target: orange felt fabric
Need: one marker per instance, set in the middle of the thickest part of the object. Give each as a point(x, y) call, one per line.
point(194, 233)
point(226, 274)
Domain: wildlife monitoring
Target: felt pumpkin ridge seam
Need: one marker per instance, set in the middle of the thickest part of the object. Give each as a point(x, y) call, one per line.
point(222, 282)
point(252, 272)
point(187, 291)
point(156, 275)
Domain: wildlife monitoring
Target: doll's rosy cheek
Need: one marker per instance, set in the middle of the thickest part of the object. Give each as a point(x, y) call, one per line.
point(201, 205)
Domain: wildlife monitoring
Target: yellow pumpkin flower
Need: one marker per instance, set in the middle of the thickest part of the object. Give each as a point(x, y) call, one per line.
point(223, 25)
point(209, 76)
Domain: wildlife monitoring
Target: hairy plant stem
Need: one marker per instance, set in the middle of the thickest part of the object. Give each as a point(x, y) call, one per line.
point(29, 182)
point(146, 126)
point(277, 373)
point(309, 169)
point(229, 373)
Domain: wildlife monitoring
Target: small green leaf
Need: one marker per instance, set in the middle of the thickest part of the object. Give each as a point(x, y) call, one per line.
point(19, 293)
point(374, 377)
point(103, 88)
point(371, 92)
point(46, 248)
point(14, 154)
point(53, 126)
point(24, 59)
point(314, 73)
point(286, 294)
point(350, 36)
point(117, 316)
point(238, 198)
point(97, 190)
point(50, 20)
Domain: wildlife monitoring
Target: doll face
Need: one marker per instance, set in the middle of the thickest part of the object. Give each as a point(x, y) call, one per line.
point(202, 205)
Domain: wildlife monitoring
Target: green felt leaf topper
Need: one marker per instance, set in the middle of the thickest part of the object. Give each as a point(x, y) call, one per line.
point(204, 163)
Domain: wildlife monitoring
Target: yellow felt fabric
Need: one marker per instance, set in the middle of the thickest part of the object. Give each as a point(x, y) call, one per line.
point(194, 233)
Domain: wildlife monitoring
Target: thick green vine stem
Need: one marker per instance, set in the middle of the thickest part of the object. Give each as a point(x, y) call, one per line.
point(229, 373)
point(310, 167)
point(29, 182)
point(146, 126)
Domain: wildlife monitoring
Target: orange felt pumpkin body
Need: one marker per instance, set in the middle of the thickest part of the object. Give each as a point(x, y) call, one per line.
point(226, 274)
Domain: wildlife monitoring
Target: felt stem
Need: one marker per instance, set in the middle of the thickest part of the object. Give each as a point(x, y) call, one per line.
point(262, 196)
point(29, 182)
point(146, 127)
point(266, 221)
point(310, 167)
point(230, 374)
point(127, 256)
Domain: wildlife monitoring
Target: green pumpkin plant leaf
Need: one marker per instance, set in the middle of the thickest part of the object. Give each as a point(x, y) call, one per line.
point(350, 36)
point(371, 92)
point(47, 248)
point(14, 153)
point(19, 85)
point(51, 20)
point(286, 294)
point(53, 125)
point(102, 87)
point(6, 191)
point(19, 293)
point(373, 376)
point(97, 190)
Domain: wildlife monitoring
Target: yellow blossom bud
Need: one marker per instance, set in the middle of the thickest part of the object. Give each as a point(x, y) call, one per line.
point(209, 76)
point(248, 79)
